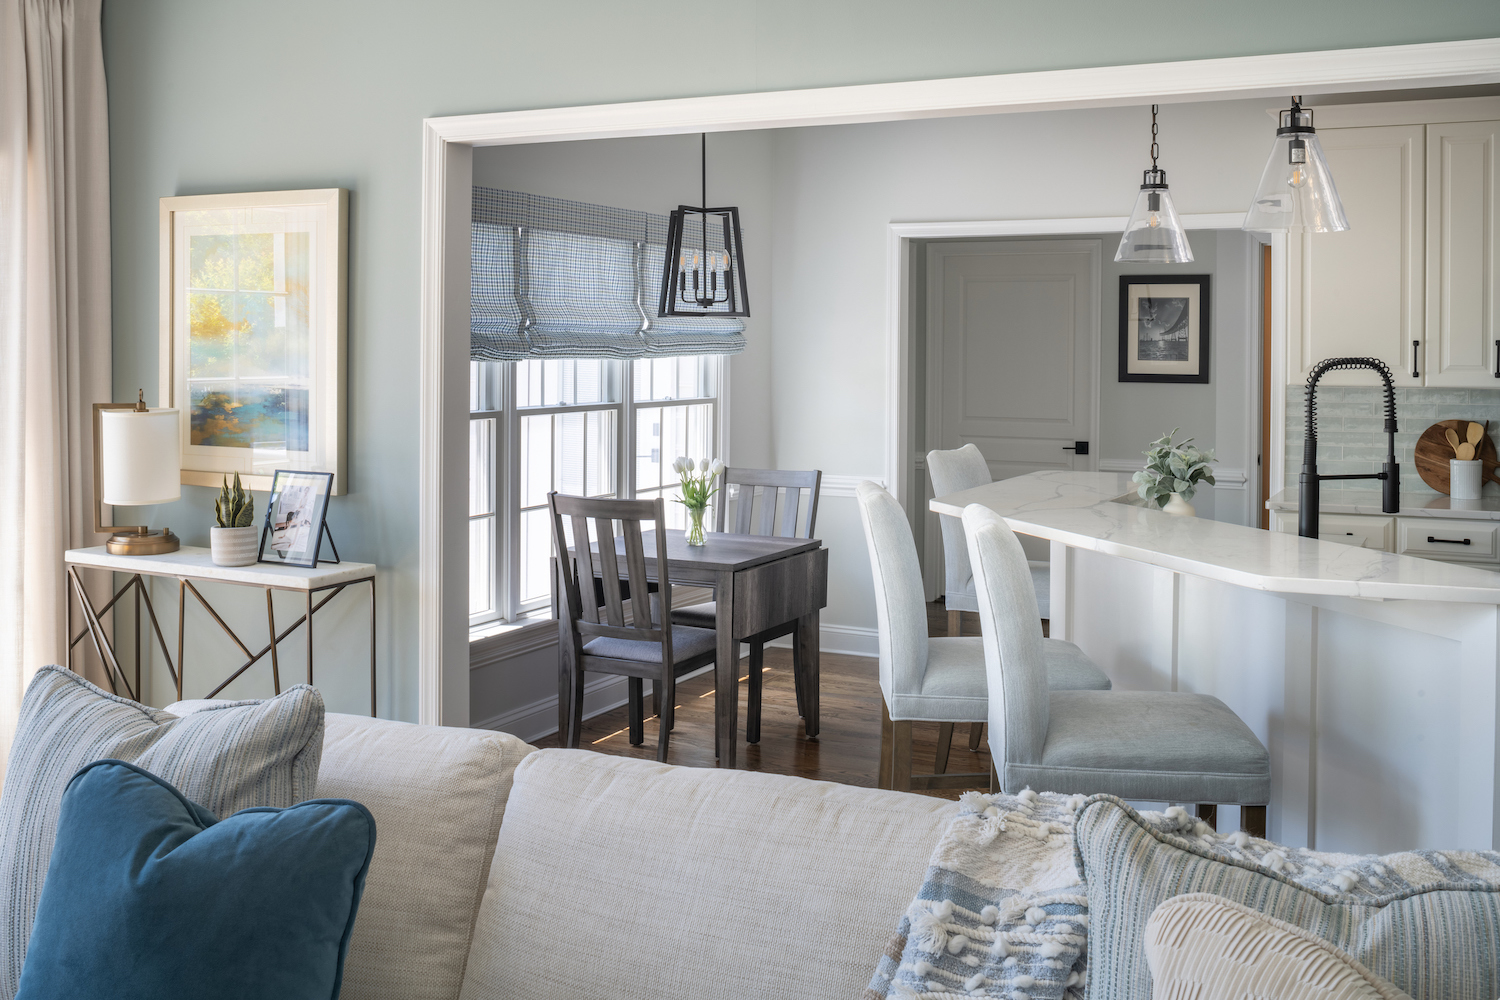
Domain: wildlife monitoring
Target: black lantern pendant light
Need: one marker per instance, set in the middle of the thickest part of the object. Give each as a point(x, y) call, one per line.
point(1296, 193)
point(1153, 232)
point(704, 270)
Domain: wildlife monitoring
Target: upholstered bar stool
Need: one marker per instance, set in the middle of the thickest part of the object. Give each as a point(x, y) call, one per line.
point(1159, 746)
point(939, 680)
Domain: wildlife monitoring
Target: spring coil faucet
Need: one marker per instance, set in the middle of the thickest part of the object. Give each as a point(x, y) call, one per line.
point(1308, 500)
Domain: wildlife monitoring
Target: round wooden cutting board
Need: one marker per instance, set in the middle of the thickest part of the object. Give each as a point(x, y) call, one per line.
point(1434, 453)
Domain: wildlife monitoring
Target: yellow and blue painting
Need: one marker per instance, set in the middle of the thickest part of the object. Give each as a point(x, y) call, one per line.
point(250, 346)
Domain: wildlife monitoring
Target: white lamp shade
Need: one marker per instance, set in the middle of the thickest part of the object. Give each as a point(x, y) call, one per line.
point(1154, 232)
point(1296, 194)
point(140, 460)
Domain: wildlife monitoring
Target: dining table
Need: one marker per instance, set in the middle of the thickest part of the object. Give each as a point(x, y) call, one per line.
point(759, 582)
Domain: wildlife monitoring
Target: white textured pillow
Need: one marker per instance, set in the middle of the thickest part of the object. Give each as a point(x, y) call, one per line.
point(1210, 948)
point(437, 794)
point(227, 758)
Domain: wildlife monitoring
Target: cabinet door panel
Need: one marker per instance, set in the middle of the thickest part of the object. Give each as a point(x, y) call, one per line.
point(1360, 292)
point(1462, 243)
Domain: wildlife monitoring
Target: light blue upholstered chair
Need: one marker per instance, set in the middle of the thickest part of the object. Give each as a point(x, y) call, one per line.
point(933, 680)
point(1159, 746)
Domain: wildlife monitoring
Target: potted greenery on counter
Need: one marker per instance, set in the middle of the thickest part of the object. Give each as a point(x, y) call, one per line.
point(1173, 473)
point(234, 540)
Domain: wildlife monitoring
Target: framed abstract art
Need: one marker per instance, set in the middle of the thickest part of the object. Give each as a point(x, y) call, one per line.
point(1164, 328)
point(253, 301)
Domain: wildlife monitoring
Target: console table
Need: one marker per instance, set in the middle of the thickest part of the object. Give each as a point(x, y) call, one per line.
point(194, 563)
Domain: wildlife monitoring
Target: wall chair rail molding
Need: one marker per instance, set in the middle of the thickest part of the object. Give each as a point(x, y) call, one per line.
point(447, 174)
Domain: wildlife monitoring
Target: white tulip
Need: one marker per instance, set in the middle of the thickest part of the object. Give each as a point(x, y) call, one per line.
point(680, 464)
point(717, 468)
point(703, 465)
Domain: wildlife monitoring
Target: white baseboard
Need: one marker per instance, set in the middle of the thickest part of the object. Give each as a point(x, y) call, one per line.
point(850, 640)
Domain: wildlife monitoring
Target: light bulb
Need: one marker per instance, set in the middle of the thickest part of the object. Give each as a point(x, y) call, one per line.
point(1153, 220)
point(1299, 177)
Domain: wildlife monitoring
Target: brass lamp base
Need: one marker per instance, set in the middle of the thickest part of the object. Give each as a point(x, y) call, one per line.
point(142, 543)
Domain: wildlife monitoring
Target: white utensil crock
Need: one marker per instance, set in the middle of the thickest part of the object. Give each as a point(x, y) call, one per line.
point(1465, 479)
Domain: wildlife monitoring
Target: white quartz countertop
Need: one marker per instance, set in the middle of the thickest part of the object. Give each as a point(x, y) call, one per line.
point(1079, 509)
point(1412, 504)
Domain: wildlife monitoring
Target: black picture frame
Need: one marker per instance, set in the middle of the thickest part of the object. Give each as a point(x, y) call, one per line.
point(303, 529)
point(1138, 365)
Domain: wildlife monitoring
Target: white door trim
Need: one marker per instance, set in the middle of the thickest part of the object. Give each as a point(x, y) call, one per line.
point(441, 619)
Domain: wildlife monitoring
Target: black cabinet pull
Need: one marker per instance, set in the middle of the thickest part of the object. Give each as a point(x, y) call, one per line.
point(1450, 541)
point(1414, 345)
point(1077, 447)
point(1497, 359)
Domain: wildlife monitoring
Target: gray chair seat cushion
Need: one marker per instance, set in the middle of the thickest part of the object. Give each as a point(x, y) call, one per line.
point(686, 644)
point(956, 689)
point(1152, 745)
point(705, 615)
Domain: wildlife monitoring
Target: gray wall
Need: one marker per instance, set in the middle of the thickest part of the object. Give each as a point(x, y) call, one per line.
point(215, 97)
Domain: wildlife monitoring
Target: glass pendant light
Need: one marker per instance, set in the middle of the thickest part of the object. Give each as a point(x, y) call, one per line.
point(1153, 232)
point(1296, 193)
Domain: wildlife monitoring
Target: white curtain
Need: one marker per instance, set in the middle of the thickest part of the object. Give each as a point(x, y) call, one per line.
point(54, 318)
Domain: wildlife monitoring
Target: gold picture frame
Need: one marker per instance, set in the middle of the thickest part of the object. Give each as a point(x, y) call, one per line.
point(254, 299)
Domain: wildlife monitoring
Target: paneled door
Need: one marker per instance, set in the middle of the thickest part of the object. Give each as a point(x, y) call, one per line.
point(1012, 352)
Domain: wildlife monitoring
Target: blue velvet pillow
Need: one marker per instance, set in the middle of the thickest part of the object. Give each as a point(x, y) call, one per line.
point(148, 895)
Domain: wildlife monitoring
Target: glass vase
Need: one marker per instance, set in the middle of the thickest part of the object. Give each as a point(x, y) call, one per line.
point(695, 525)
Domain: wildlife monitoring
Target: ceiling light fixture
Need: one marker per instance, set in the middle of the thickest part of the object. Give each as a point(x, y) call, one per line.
point(704, 270)
point(1153, 232)
point(1296, 193)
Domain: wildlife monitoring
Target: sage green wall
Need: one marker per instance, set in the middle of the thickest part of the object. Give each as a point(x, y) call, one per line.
point(222, 96)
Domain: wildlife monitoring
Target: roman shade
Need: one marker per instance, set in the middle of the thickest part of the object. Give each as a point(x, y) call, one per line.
point(563, 279)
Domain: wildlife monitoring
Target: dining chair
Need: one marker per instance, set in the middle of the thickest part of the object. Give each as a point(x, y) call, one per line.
point(1158, 746)
point(782, 511)
point(951, 472)
point(600, 636)
point(940, 679)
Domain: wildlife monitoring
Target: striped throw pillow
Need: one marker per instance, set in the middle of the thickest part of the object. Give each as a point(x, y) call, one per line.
point(230, 757)
point(1429, 925)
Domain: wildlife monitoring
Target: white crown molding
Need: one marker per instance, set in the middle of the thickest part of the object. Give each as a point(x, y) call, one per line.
point(1462, 109)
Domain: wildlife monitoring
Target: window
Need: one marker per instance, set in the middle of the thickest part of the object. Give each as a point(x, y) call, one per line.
point(587, 427)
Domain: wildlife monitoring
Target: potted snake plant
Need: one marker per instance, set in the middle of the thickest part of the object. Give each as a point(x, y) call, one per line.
point(233, 541)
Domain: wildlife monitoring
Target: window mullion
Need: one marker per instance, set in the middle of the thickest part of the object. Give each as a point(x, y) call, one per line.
point(625, 450)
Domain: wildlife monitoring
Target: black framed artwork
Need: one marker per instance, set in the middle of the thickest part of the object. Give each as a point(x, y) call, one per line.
point(1164, 327)
point(295, 516)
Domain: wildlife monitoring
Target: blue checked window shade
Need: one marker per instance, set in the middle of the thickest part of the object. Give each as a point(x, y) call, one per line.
point(563, 279)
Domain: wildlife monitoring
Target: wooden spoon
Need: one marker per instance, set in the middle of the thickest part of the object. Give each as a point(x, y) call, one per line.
point(1465, 452)
point(1452, 436)
point(1475, 433)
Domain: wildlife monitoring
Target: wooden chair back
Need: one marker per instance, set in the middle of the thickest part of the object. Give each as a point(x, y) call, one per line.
point(578, 569)
point(780, 502)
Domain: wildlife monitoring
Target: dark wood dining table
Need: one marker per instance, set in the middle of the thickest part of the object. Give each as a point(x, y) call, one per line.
point(759, 582)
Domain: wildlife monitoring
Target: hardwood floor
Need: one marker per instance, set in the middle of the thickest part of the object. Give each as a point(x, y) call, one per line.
point(847, 750)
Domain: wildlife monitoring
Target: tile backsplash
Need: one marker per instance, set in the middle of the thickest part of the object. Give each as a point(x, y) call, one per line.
point(1351, 429)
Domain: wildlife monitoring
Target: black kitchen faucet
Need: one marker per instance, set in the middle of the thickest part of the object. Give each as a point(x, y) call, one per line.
point(1390, 502)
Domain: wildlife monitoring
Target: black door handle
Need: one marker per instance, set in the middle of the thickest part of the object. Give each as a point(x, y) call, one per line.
point(1497, 359)
point(1414, 345)
point(1450, 541)
point(1077, 447)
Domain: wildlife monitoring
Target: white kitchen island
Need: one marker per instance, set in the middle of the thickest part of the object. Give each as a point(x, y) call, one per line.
point(1370, 677)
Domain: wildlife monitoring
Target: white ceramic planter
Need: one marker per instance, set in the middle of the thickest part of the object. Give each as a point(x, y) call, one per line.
point(1180, 507)
point(234, 546)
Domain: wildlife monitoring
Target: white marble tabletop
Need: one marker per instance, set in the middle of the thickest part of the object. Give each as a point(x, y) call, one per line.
point(1487, 508)
point(196, 563)
point(1079, 509)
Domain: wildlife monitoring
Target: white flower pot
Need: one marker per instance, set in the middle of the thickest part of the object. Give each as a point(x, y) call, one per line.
point(1180, 507)
point(234, 546)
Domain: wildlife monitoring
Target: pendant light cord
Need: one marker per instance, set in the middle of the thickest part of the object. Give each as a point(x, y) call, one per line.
point(1155, 149)
point(703, 165)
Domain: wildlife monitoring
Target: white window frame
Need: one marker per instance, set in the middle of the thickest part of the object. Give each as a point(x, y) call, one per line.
point(505, 455)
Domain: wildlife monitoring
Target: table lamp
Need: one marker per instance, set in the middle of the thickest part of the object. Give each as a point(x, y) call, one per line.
point(137, 460)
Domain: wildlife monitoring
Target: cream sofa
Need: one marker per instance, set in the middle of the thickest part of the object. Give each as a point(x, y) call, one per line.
point(502, 871)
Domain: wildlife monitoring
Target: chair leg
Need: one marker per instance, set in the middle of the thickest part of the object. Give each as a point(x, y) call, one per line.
point(668, 685)
point(901, 755)
point(575, 710)
point(656, 699)
point(752, 703)
point(883, 779)
point(944, 747)
point(1208, 812)
point(976, 736)
point(955, 623)
point(637, 711)
point(1253, 820)
point(994, 779)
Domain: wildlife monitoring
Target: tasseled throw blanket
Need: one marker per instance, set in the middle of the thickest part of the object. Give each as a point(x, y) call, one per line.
point(1001, 911)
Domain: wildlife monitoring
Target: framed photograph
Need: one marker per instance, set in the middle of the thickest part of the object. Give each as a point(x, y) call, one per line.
point(1164, 328)
point(294, 518)
point(253, 298)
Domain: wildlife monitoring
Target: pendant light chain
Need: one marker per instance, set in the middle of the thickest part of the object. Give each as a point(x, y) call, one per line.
point(1155, 149)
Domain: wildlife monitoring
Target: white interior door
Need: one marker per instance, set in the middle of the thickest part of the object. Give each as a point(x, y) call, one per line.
point(1012, 355)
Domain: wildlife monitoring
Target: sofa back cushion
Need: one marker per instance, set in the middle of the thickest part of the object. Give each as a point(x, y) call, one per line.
point(437, 794)
point(230, 757)
point(623, 879)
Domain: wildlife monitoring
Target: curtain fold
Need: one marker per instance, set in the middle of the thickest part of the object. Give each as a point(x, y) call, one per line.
point(54, 318)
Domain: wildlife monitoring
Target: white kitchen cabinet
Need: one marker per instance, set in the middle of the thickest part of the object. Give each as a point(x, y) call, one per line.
point(1360, 292)
point(1446, 539)
point(1364, 530)
point(1463, 255)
